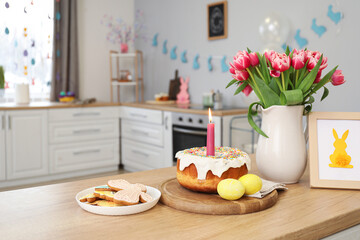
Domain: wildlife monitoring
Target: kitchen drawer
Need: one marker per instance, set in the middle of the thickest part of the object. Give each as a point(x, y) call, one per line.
point(83, 130)
point(143, 156)
point(141, 114)
point(143, 132)
point(82, 113)
point(86, 155)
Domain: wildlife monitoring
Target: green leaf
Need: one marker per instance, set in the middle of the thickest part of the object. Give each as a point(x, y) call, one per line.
point(274, 86)
point(309, 79)
point(325, 93)
point(231, 83)
point(324, 80)
point(251, 121)
point(268, 96)
point(287, 51)
point(263, 67)
point(249, 51)
point(307, 109)
point(310, 101)
point(291, 97)
point(241, 87)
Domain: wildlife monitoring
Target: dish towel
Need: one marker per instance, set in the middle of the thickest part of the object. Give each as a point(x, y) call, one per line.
point(268, 187)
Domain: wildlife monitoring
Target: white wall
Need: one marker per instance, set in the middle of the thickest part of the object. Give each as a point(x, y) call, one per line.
point(183, 23)
point(93, 46)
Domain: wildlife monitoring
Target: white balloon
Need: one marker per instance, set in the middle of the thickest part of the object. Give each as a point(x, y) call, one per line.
point(272, 46)
point(275, 28)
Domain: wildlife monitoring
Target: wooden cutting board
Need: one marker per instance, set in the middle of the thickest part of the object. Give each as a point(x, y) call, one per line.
point(178, 197)
point(161, 102)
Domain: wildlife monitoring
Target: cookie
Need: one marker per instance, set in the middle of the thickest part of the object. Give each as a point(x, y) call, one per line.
point(131, 196)
point(107, 195)
point(103, 188)
point(121, 184)
point(105, 203)
point(88, 198)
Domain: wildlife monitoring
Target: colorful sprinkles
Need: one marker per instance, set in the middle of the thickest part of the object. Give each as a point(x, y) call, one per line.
point(220, 152)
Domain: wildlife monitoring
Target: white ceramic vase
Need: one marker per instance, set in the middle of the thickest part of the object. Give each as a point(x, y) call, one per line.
point(282, 156)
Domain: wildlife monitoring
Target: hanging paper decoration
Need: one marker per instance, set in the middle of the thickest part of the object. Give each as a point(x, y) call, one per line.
point(196, 64)
point(210, 67)
point(334, 16)
point(33, 43)
point(302, 42)
point(155, 41)
point(319, 30)
point(183, 57)
point(32, 61)
point(164, 50)
point(7, 5)
point(7, 31)
point(58, 16)
point(15, 43)
point(26, 53)
point(58, 53)
point(224, 66)
point(173, 55)
point(25, 70)
point(58, 76)
point(25, 32)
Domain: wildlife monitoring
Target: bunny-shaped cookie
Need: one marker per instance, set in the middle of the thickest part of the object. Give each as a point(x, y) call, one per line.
point(183, 96)
point(340, 159)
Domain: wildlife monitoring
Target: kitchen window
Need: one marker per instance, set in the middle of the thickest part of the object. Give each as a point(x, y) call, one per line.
point(26, 46)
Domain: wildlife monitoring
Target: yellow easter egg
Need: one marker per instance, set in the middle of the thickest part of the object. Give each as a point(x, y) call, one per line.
point(252, 183)
point(230, 189)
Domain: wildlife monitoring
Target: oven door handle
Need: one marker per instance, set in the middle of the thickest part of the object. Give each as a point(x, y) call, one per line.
point(182, 130)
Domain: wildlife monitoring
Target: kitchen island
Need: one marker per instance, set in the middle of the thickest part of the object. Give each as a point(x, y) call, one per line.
point(51, 212)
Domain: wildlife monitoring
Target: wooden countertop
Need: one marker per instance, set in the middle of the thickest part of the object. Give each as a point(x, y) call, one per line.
point(52, 212)
point(161, 107)
point(187, 109)
point(50, 105)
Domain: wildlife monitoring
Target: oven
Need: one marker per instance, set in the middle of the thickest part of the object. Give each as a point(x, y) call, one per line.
point(188, 130)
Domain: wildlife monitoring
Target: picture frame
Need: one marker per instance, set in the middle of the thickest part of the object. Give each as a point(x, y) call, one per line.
point(217, 20)
point(334, 152)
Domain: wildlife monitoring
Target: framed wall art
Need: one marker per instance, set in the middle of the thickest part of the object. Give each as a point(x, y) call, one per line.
point(217, 20)
point(334, 149)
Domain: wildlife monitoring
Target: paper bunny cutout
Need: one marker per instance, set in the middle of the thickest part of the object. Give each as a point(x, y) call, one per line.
point(183, 96)
point(340, 159)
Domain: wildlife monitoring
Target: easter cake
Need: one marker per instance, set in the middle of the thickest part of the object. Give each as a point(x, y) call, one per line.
point(201, 173)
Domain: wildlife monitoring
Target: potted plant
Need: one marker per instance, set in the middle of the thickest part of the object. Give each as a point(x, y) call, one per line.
point(285, 84)
point(2, 82)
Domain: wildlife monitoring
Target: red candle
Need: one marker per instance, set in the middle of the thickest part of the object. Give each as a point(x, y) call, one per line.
point(210, 144)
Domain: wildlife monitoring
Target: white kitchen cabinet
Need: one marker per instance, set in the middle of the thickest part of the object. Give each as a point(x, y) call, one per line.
point(145, 140)
point(83, 139)
point(26, 144)
point(2, 146)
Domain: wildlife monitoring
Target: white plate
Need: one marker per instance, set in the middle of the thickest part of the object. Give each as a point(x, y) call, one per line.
point(122, 210)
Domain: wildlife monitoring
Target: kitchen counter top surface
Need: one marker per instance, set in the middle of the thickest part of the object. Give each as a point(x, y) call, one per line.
point(51, 212)
point(193, 109)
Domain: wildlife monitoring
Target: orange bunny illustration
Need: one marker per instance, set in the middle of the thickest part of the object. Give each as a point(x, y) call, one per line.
point(340, 159)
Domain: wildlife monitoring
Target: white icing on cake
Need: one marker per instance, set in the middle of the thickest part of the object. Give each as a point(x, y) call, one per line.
point(225, 158)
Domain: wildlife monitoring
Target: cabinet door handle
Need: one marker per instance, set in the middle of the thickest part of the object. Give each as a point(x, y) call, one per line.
point(85, 131)
point(141, 153)
point(86, 114)
point(138, 115)
point(166, 122)
point(86, 151)
point(9, 122)
point(139, 132)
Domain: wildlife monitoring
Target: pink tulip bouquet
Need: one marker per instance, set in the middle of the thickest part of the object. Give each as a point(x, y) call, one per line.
point(289, 78)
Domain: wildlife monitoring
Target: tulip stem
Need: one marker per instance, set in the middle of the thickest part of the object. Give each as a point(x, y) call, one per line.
point(282, 79)
point(279, 84)
point(262, 77)
point(297, 76)
point(257, 87)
